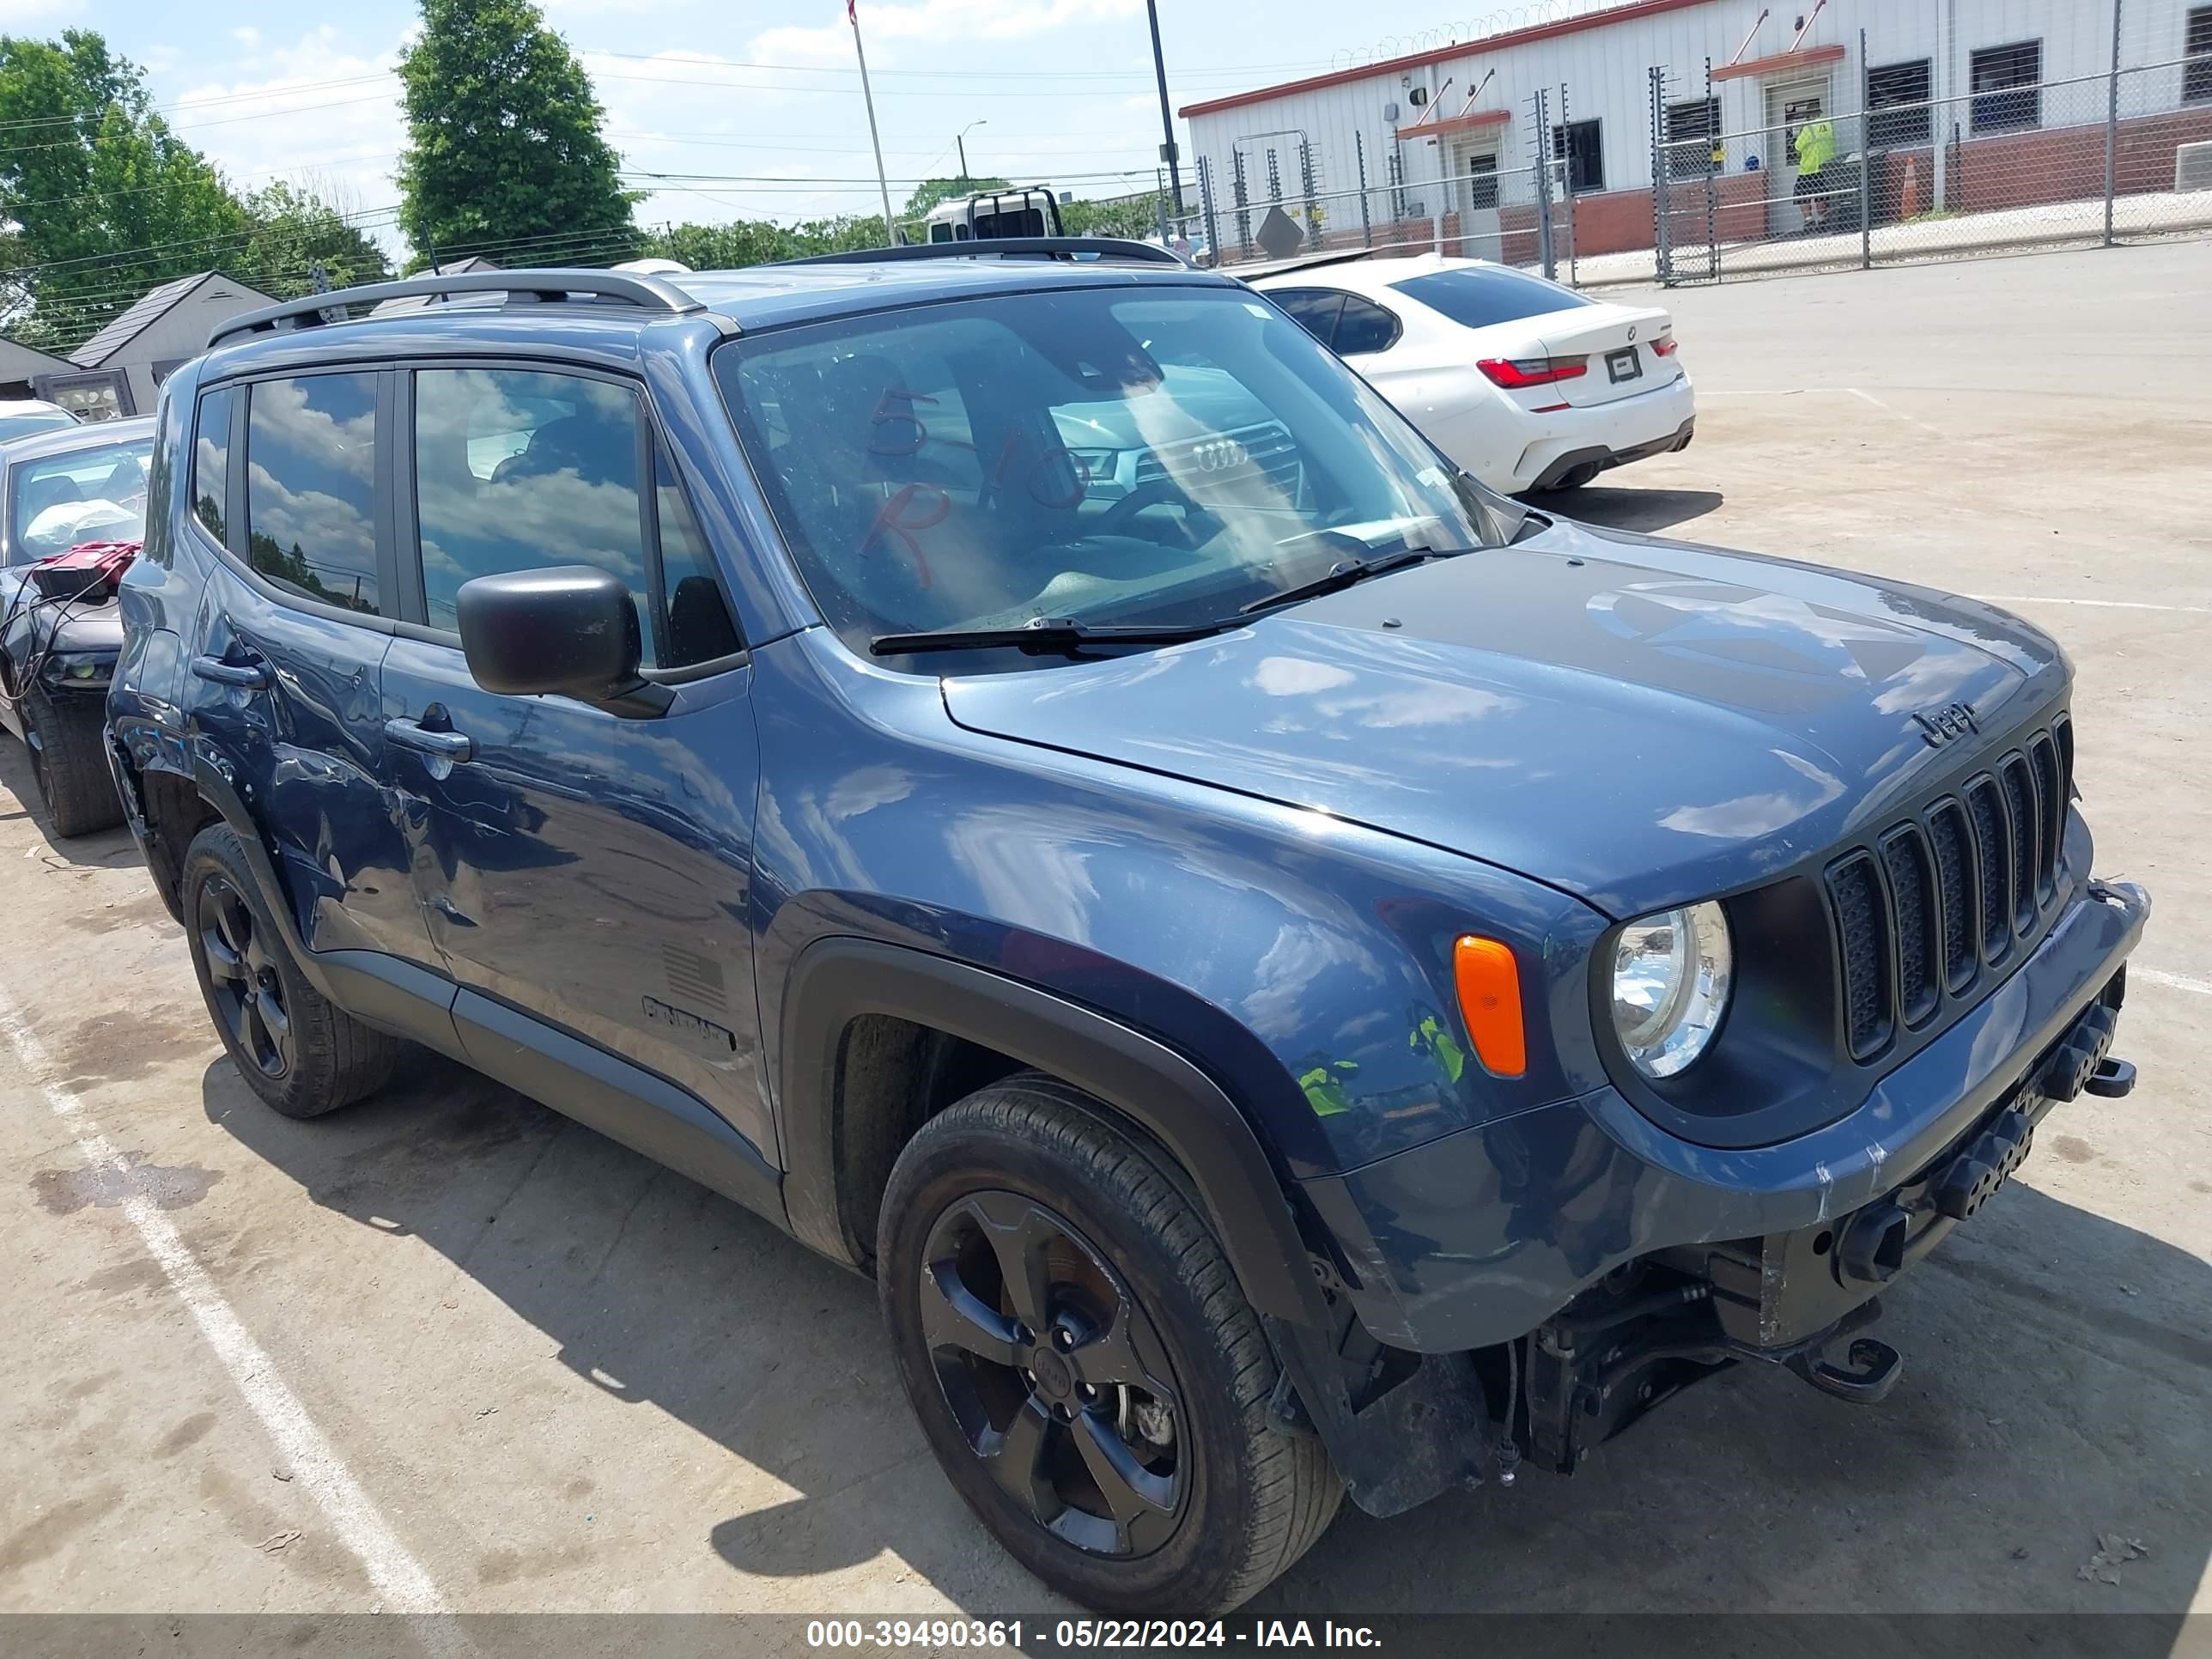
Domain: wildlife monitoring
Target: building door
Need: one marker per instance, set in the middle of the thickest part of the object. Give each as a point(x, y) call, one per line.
point(1792, 106)
point(1474, 193)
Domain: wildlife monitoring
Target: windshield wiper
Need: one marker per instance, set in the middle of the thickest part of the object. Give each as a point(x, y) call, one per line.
point(1344, 575)
point(1045, 634)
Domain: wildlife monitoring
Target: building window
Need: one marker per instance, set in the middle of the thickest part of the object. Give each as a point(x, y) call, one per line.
point(1693, 138)
point(1576, 144)
point(1898, 110)
point(2197, 47)
point(2004, 79)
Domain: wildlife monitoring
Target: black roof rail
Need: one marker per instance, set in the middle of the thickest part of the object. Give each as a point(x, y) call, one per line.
point(549, 287)
point(998, 247)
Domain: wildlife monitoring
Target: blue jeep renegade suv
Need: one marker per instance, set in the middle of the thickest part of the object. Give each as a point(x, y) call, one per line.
point(1296, 975)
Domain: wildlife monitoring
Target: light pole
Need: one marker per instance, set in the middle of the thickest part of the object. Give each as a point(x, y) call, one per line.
point(1167, 122)
point(961, 139)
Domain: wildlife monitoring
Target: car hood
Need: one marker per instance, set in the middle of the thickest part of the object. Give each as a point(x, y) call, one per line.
point(1642, 723)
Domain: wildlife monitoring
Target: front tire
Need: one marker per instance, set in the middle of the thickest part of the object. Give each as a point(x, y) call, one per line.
point(301, 1052)
point(67, 744)
point(1083, 1361)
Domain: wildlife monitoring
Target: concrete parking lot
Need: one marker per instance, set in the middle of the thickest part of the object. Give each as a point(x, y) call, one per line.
point(445, 1350)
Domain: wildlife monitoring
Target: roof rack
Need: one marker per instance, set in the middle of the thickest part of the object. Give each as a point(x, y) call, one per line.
point(549, 287)
point(1000, 247)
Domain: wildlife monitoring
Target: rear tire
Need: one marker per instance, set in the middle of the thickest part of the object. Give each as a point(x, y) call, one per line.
point(301, 1052)
point(1112, 1351)
point(67, 744)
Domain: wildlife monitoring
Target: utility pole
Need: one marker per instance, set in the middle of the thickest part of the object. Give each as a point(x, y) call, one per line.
point(1167, 152)
point(890, 231)
point(961, 139)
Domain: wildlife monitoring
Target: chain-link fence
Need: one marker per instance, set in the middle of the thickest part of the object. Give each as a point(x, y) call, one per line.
point(1879, 164)
point(1945, 132)
point(1520, 215)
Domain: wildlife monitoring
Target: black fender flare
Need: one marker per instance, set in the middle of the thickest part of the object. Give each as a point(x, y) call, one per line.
point(837, 979)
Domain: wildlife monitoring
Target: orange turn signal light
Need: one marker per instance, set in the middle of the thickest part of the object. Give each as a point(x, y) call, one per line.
point(1489, 983)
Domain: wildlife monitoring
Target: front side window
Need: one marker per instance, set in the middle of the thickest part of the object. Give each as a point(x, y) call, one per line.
point(1162, 456)
point(518, 469)
point(1477, 296)
point(699, 625)
point(96, 494)
point(311, 486)
point(211, 460)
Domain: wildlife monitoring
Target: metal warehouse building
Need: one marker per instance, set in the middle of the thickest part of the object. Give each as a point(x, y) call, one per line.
point(1932, 107)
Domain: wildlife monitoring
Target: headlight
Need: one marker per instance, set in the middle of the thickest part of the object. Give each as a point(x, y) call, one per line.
point(1670, 985)
point(78, 668)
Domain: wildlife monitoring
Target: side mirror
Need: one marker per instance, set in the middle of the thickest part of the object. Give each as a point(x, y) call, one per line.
point(570, 631)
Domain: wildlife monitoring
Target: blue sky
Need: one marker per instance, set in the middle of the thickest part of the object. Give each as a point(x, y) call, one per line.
point(1064, 88)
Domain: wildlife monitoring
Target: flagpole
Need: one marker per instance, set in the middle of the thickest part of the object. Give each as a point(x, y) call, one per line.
point(853, 12)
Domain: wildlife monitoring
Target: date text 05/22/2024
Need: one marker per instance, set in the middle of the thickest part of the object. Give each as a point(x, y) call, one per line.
point(988, 1634)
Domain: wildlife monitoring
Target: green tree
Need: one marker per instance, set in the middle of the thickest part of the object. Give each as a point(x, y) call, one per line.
point(293, 231)
point(103, 199)
point(504, 146)
point(1134, 216)
point(757, 241)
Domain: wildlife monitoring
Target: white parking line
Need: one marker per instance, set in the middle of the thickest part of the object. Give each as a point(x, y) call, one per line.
point(2203, 988)
point(2102, 604)
point(401, 1584)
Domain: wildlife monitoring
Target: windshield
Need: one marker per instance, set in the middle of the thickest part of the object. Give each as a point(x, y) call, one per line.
point(45, 419)
point(1112, 456)
point(1479, 296)
point(96, 494)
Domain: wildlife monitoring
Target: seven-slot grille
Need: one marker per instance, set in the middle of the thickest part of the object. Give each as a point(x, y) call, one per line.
point(1957, 888)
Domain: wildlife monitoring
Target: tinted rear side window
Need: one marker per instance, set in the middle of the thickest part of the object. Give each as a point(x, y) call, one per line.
point(1477, 296)
point(1313, 309)
point(211, 460)
point(310, 487)
point(1364, 326)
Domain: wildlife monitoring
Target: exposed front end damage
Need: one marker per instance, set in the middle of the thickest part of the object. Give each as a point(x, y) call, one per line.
point(1798, 1295)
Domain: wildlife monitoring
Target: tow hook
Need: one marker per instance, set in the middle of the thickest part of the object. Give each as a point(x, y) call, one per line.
point(1875, 1370)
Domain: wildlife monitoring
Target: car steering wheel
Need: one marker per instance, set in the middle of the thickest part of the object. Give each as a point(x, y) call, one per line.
point(1159, 491)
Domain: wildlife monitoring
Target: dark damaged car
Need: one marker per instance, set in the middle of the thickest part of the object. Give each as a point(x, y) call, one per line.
point(72, 507)
point(1296, 975)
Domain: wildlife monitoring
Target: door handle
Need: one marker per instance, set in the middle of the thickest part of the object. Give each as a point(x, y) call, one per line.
point(412, 734)
point(253, 676)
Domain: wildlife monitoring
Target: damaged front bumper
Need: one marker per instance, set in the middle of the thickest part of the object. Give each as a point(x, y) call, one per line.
point(1632, 1262)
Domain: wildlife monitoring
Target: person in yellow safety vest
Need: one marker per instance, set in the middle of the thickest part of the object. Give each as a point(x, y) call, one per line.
point(1816, 147)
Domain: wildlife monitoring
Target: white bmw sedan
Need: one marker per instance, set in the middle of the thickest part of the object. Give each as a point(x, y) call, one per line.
point(1526, 384)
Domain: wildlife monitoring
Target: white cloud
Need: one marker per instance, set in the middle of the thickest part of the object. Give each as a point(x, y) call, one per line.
point(936, 21)
point(25, 11)
point(343, 139)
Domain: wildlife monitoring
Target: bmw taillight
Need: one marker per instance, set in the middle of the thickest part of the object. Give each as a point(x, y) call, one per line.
point(1663, 346)
point(1515, 372)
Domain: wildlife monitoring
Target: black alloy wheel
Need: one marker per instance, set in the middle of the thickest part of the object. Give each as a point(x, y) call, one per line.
point(1054, 1374)
point(243, 982)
